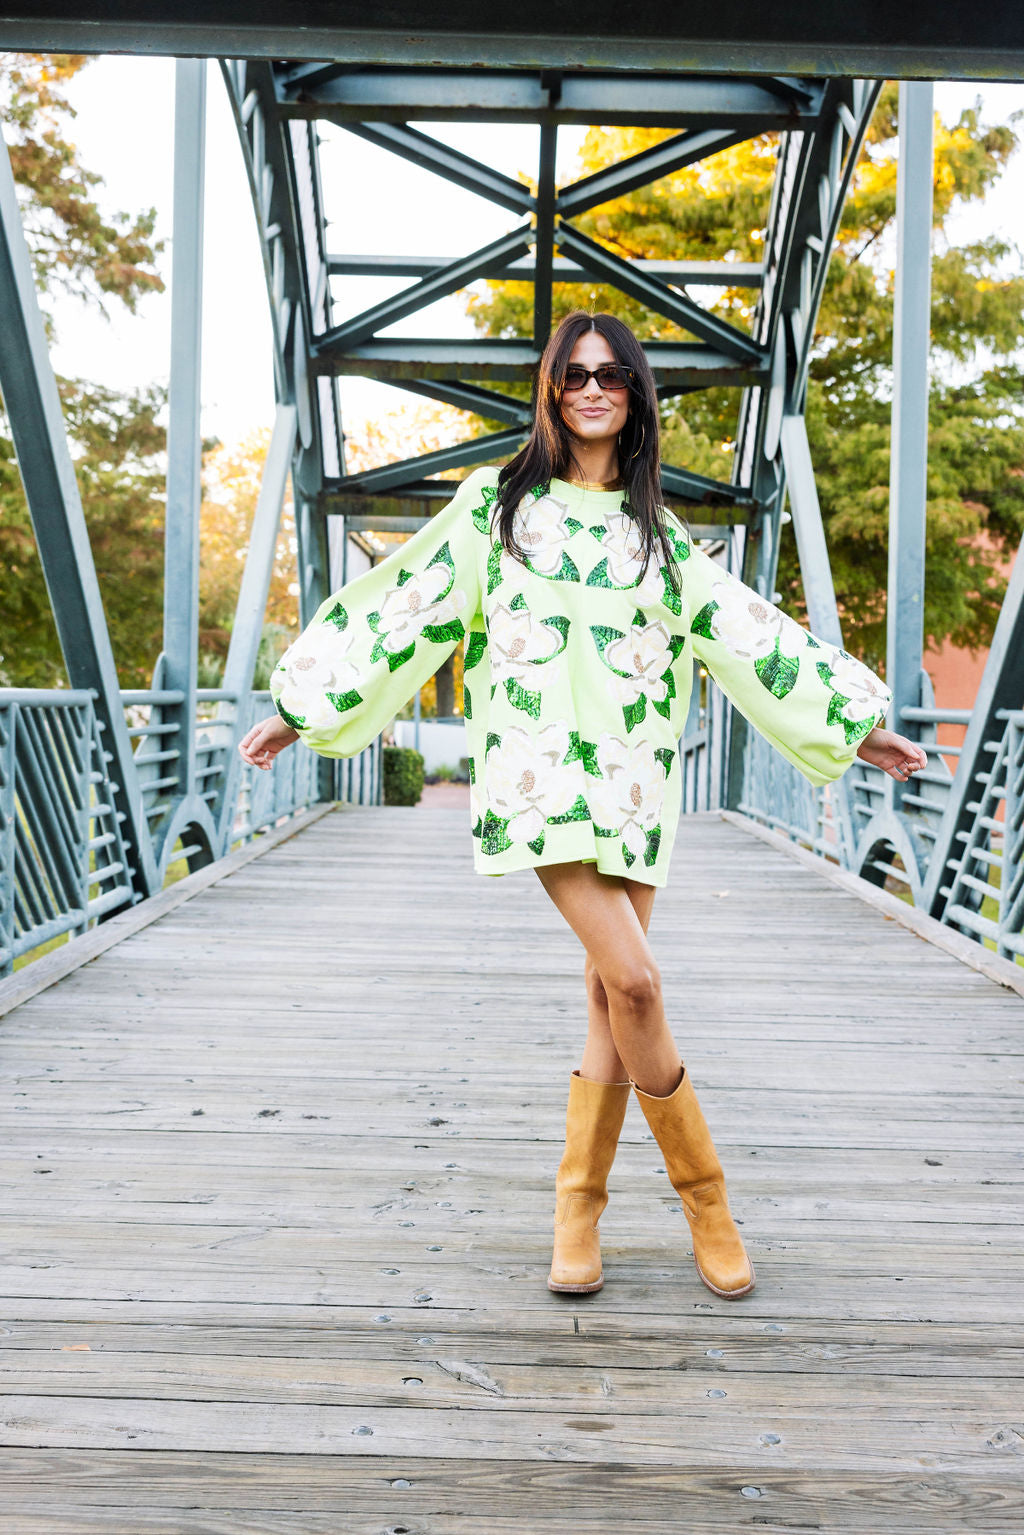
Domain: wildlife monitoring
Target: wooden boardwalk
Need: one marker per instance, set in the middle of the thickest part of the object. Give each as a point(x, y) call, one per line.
point(277, 1174)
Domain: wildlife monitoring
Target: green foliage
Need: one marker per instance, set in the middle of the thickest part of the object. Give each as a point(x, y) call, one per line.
point(118, 446)
point(74, 246)
point(718, 210)
point(403, 775)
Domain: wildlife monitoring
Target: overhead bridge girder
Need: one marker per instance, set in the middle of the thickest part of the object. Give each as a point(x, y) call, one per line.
point(820, 124)
point(955, 40)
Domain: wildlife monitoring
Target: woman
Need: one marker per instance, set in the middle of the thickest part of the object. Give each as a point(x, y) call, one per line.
point(583, 604)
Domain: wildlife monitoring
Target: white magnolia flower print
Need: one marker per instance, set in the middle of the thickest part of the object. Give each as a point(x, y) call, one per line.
point(528, 780)
point(749, 625)
point(867, 695)
point(408, 609)
point(624, 549)
point(522, 648)
point(629, 795)
point(645, 654)
point(539, 529)
point(317, 664)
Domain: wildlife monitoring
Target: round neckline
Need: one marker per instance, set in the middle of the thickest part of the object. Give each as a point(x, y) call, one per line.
point(588, 491)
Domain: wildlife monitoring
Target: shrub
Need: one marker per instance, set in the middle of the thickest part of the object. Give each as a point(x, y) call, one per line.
point(403, 775)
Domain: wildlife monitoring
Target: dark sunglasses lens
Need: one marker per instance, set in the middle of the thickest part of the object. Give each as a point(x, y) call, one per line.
point(612, 377)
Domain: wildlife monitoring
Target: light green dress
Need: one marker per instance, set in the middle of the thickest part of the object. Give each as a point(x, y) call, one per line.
point(577, 673)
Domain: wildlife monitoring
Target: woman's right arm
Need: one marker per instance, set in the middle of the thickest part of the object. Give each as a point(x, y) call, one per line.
point(371, 645)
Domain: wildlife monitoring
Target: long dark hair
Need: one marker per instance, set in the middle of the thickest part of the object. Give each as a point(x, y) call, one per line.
point(549, 452)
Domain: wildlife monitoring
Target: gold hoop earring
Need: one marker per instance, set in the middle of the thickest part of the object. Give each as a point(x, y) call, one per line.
point(643, 439)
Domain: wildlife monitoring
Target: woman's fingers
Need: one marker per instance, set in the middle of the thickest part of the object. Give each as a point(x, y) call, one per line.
point(261, 744)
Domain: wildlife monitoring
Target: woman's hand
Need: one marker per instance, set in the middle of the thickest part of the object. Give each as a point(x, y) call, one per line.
point(894, 754)
point(265, 740)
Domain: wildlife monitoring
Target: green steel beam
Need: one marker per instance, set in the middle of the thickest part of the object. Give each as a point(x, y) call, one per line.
point(436, 95)
point(476, 450)
point(955, 40)
point(33, 409)
point(392, 359)
point(613, 269)
point(462, 170)
point(180, 658)
point(640, 170)
point(713, 274)
point(482, 402)
point(908, 474)
point(450, 279)
point(544, 248)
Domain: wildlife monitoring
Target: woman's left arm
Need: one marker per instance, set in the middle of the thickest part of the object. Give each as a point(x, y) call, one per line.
point(816, 704)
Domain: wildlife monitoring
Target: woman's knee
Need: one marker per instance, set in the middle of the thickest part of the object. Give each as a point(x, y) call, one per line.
point(635, 988)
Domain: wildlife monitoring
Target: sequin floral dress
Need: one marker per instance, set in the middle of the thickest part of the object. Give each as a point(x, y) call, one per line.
point(578, 673)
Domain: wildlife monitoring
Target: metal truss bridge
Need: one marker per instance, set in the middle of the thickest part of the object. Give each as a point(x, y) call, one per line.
point(101, 789)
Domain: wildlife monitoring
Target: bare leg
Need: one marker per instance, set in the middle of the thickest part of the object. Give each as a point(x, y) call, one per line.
point(601, 1061)
point(611, 924)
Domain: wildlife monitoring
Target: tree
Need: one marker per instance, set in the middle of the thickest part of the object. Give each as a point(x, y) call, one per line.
point(718, 210)
point(116, 439)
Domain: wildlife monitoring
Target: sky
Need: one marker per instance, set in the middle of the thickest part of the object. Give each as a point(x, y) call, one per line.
point(417, 212)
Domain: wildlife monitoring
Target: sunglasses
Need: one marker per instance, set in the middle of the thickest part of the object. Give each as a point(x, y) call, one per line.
point(610, 377)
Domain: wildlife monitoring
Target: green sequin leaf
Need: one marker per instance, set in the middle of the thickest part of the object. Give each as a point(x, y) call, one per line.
point(394, 658)
point(443, 557)
point(467, 707)
point(603, 637)
point(537, 845)
point(519, 698)
point(404, 576)
point(566, 571)
point(778, 673)
point(670, 597)
point(472, 770)
point(338, 617)
point(572, 524)
point(518, 603)
point(664, 708)
point(560, 624)
point(853, 730)
point(482, 514)
point(599, 575)
point(494, 837)
point(344, 701)
point(443, 634)
point(296, 721)
point(605, 831)
point(639, 619)
point(475, 647)
point(634, 714)
point(579, 812)
point(653, 844)
point(494, 569)
point(493, 739)
point(628, 858)
point(599, 530)
point(666, 756)
point(702, 623)
point(676, 645)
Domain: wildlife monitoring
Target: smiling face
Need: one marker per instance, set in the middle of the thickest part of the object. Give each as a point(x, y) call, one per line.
point(591, 413)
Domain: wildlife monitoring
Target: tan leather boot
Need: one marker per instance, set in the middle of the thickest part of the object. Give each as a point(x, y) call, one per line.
point(592, 1124)
point(695, 1172)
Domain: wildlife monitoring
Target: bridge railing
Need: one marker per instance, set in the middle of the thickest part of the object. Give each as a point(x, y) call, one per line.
point(63, 859)
point(952, 846)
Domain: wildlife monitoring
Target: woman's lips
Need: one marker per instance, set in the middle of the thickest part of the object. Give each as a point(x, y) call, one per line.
point(592, 410)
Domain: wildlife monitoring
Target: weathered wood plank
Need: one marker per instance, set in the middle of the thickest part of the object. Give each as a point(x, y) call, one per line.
point(278, 1168)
